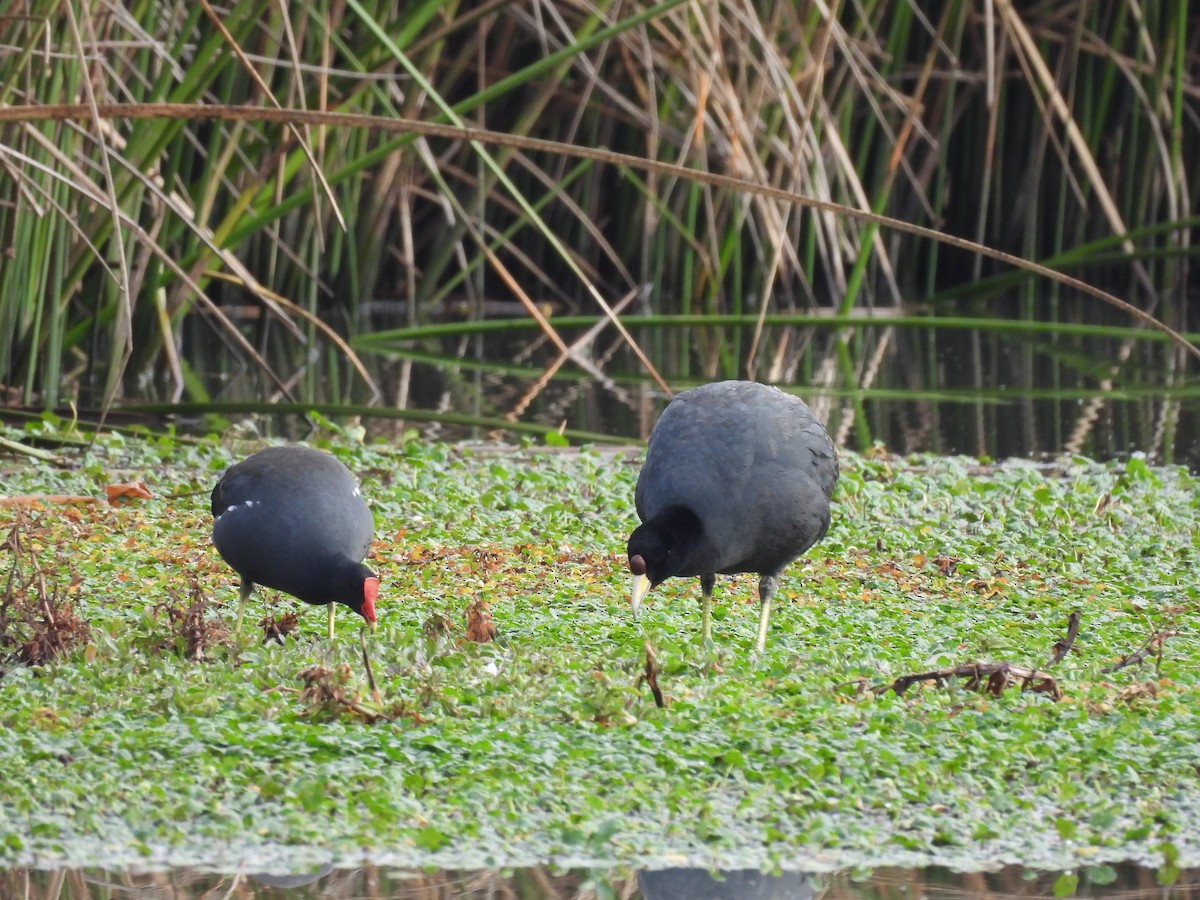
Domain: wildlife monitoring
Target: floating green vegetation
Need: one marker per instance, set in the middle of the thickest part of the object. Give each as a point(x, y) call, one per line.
point(150, 735)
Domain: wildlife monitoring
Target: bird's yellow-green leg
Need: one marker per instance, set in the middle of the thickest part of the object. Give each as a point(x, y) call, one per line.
point(244, 593)
point(766, 590)
point(706, 589)
point(332, 610)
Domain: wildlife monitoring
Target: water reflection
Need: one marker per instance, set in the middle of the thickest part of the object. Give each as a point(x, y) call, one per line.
point(913, 386)
point(1125, 881)
point(742, 884)
point(290, 881)
point(1012, 380)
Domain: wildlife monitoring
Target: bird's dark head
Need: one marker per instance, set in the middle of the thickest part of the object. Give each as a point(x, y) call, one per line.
point(657, 547)
point(649, 553)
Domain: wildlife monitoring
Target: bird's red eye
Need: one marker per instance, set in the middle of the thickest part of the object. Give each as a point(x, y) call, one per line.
point(637, 565)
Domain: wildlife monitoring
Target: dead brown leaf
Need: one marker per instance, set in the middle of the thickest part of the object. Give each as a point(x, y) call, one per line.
point(1138, 691)
point(480, 627)
point(946, 564)
point(129, 490)
point(279, 627)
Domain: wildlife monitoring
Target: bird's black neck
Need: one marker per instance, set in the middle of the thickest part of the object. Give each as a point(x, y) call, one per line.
point(681, 531)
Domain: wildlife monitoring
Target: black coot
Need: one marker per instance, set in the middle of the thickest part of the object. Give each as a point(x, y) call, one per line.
point(737, 478)
point(294, 519)
point(729, 884)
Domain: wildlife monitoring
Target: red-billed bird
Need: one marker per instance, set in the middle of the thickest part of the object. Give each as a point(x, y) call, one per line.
point(294, 519)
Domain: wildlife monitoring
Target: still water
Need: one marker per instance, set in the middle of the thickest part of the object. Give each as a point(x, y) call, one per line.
point(984, 387)
point(369, 883)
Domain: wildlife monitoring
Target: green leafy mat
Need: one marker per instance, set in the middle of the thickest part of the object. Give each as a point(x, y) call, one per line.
point(155, 737)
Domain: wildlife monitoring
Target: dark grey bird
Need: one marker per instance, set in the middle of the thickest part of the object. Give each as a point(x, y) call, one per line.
point(738, 478)
point(733, 884)
point(294, 519)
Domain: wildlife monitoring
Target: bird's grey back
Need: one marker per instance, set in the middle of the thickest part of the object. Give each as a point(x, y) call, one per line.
point(292, 496)
point(754, 463)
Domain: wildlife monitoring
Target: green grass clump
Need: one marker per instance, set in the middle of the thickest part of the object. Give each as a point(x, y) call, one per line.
point(154, 735)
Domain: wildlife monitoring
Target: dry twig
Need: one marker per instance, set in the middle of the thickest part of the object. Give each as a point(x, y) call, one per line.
point(44, 615)
point(187, 615)
point(650, 676)
point(995, 676)
point(362, 640)
point(325, 688)
point(1153, 645)
point(1063, 647)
